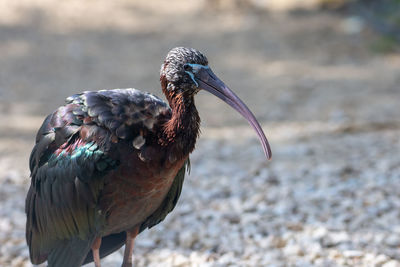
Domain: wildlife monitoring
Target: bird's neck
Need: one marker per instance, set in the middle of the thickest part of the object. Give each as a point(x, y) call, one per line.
point(182, 130)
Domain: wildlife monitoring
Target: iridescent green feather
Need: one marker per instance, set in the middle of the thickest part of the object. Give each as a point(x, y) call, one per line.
point(63, 203)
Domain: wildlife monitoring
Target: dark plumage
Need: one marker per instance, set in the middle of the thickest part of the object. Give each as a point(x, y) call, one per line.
point(109, 164)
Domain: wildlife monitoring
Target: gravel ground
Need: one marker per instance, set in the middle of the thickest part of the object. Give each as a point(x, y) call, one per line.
point(327, 103)
point(326, 199)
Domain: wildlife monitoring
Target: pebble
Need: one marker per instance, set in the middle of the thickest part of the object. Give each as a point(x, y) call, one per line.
point(353, 253)
point(391, 263)
point(335, 238)
point(393, 240)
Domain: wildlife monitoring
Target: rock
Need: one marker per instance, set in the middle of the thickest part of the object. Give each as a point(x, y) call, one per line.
point(392, 240)
point(353, 253)
point(380, 259)
point(391, 263)
point(335, 238)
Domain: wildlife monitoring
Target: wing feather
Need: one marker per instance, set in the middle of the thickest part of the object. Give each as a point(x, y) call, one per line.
point(74, 150)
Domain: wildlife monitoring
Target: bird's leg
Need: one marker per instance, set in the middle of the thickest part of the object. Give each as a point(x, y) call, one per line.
point(129, 243)
point(96, 251)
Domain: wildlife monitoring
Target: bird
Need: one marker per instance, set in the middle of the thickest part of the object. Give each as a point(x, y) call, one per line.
point(109, 164)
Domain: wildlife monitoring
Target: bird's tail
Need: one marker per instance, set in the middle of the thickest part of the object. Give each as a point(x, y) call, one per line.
point(70, 253)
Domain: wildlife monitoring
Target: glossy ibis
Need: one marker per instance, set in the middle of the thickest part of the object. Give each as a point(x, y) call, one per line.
point(109, 164)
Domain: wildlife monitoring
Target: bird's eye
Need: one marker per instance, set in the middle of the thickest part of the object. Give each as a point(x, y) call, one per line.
point(187, 67)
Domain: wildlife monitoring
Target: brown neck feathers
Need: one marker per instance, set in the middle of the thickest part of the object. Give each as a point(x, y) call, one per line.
point(181, 131)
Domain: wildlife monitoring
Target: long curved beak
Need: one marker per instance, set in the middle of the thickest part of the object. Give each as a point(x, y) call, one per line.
point(208, 81)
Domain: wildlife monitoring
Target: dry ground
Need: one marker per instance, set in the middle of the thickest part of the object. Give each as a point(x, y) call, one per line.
point(329, 105)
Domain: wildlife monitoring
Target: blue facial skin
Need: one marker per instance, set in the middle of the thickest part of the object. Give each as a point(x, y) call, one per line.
point(195, 68)
point(192, 76)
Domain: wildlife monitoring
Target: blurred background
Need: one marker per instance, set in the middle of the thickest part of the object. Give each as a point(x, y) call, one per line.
point(322, 77)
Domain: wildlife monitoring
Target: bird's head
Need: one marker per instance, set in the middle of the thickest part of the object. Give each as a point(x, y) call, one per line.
point(178, 70)
point(185, 72)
